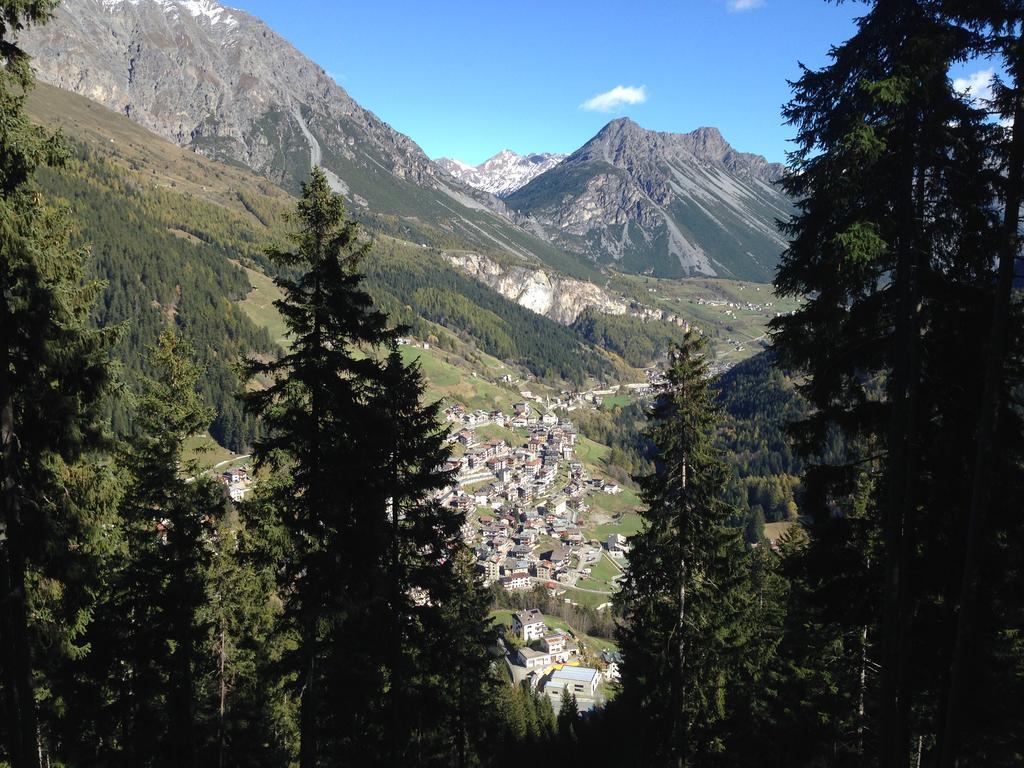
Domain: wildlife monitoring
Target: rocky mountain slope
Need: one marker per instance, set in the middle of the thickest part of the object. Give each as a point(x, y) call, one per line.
point(662, 203)
point(561, 298)
point(504, 173)
point(222, 83)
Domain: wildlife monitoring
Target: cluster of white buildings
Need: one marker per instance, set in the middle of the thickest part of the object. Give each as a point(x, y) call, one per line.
point(237, 481)
point(549, 660)
point(523, 503)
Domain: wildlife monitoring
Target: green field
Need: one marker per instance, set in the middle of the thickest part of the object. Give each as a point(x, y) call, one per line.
point(611, 401)
point(745, 326)
point(493, 431)
point(259, 306)
point(614, 504)
point(591, 454)
point(601, 576)
point(629, 524)
point(590, 599)
point(447, 379)
point(205, 451)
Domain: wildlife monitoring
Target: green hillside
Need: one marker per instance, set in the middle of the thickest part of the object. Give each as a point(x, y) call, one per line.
point(180, 238)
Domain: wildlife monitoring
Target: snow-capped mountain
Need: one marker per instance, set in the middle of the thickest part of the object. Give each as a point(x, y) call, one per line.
point(504, 173)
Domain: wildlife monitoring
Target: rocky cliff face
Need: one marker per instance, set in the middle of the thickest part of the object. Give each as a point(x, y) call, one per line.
point(662, 203)
point(217, 80)
point(221, 82)
point(504, 173)
point(562, 299)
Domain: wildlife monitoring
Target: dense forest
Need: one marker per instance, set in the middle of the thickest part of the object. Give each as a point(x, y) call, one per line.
point(162, 255)
point(334, 618)
point(152, 273)
point(636, 340)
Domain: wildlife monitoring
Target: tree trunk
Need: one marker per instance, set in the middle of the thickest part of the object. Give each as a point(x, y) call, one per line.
point(682, 741)
point(309, 703)
point(222, 708)
point(991, 404)
point(17, 658)
point(183, 693)
point(902, 459)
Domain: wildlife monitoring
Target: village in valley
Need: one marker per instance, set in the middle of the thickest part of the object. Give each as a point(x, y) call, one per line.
point(529, 503)
point(541, 518)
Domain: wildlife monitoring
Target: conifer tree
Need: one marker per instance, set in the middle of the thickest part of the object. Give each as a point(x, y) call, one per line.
point(242, 695)
point(375, 584)
point(893, 245)
point(52, 376)
point(980, 634)
point(171, 512)
point(684, 600)
point(568, 717)
point(316, 413)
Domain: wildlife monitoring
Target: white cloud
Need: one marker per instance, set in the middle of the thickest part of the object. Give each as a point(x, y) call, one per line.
point(738, 6)
point(978, 85)
point(616, 97)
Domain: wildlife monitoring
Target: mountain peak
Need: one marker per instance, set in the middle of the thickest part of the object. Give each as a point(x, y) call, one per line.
point(670, 204)
point(208, 11)
point(623, 142)
point(619, 125)
point(503, 173)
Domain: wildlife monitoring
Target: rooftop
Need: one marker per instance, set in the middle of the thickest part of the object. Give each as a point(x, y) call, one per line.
point(531, 616)
point(575, 674)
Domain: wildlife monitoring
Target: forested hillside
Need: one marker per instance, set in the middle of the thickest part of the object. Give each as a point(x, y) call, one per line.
point(166, 258)
point(170, 232)
point(760, 400)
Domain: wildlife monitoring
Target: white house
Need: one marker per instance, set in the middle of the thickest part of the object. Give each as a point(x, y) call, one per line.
point(617, 542)
point(579, 681)
point(528, 625)
point(532, 659)
point(516, 582)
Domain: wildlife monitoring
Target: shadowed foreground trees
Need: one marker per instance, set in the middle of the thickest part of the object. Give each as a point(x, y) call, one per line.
point(376, 595)
point(335, 617)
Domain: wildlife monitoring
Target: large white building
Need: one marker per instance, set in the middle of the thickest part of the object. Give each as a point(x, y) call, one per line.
point(579, 681)
point(528, 625)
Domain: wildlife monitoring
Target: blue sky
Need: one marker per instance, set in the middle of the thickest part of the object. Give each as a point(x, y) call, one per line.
point(468, 79)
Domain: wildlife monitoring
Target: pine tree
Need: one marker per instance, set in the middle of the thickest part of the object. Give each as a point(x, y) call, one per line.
point(993, 456)
point(684, 600)
point(171, 512)
point(316, 413)
point(52, 376)
point(894, 246)
point(377, 589)
point(243, 696)
point(568, 717)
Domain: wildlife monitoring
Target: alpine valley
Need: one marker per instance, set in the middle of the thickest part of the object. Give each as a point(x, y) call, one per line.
point(551, 272)
point(627, 447)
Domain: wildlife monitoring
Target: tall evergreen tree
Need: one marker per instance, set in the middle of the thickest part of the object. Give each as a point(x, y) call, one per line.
point(373, 579)
point(894, 245)
point(171, 511)
point(315, 409)
point(684, 600)
point(52, 375)
point(1002, 25)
